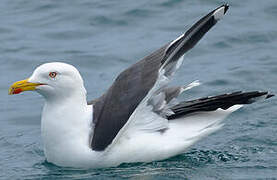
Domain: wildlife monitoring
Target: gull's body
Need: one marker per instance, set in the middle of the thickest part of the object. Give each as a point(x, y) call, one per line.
point(67, 142)
point(138, 119)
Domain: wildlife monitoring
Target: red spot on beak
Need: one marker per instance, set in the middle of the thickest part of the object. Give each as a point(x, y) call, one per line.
point(17, 91)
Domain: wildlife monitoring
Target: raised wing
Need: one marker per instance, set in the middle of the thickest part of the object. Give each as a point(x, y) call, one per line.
point(113, 109)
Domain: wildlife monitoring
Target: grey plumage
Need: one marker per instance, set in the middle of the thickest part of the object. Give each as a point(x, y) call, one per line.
point(172, 92)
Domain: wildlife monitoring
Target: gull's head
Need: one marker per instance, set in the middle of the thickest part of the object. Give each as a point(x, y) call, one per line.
point(52, 80)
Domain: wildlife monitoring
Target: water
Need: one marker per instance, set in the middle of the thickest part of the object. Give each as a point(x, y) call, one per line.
point(101, 38)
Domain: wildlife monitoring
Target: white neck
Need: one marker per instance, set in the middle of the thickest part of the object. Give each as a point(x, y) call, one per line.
point(66, 127)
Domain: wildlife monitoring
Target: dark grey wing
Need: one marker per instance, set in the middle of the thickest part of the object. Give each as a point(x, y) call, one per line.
point(113, 109)
point(223, 101)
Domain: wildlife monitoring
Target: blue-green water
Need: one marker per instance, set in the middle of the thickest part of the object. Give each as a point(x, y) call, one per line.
point(101, 38)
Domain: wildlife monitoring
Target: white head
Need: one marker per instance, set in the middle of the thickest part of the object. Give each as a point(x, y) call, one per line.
point(52, 80)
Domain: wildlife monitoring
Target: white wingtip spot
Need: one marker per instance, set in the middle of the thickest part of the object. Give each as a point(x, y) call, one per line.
point(234, 108)
point(218, 14)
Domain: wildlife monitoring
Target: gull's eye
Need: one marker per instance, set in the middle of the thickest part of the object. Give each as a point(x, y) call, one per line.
point(52, 74)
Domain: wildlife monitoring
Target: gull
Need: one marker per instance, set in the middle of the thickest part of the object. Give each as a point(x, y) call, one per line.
point(138, 119)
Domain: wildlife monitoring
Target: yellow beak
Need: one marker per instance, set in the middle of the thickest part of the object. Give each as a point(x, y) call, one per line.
point(21, 86)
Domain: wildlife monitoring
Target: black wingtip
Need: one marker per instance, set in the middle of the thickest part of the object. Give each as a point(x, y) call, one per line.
point(226, 7)
point(220, 11)
point(266, 94)
point(269, 95)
